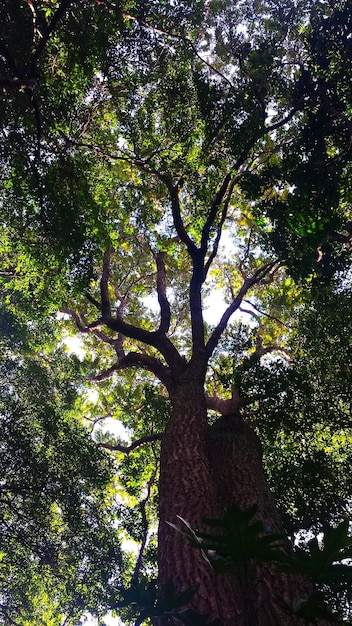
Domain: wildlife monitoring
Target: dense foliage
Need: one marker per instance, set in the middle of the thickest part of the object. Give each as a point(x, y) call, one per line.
point(133, 136)
point(58, 544)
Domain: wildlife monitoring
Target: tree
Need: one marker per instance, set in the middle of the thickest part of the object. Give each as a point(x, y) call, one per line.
point(58, 544)
point(127, 152)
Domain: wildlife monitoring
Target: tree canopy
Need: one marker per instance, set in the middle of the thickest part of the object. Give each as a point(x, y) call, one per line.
point(156, 157)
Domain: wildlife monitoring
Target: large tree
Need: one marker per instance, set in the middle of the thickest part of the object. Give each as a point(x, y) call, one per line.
point(133, 137)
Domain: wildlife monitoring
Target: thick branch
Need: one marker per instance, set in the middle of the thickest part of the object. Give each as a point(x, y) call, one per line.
point(93, 301)
point(200, 270)
point(195, 299)
point(231, 406)
point(81, 326)
point(132, 359)
point(165, 311)
point(197, 257)
point(105, 374)
point(85, 328)
point(156, 339)
point(138, 359)
point(117, 447)
point(104, 285)
point(235, 304)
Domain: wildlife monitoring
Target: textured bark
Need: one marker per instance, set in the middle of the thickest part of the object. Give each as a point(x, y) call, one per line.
point(203, 471)
point(235, 457)
point(185, 489)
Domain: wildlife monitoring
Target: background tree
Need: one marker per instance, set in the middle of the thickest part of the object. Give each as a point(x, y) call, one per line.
point(58, 544)
point(126, 153)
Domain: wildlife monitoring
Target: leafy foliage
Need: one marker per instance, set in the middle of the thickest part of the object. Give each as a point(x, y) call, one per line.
point(302, 408)
point(239, 539)
point(133, 135)
point(58, 546)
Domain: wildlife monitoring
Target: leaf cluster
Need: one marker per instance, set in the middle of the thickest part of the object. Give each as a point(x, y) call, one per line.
point(59, 548)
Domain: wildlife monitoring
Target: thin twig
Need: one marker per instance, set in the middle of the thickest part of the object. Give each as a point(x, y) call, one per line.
point(117, 447)
point(220, 227)
point(246, 253)
point(272, 317)
point(142, 506)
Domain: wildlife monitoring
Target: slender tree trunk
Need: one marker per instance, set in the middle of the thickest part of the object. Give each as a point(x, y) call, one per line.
point(203, 471)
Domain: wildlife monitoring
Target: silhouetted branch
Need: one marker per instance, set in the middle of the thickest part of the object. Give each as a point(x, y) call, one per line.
point(104, 285)
point(156, 339)
point(219, 230)
point(142, 506)
point(137, 359)
point(178, 222)
point(93, 301)
point(235, 304)
point(117, 447)
point(97, 378)
point(81, 326)
point(58, 15)
point(213, 213)
point(165, 312)
point(261, 312)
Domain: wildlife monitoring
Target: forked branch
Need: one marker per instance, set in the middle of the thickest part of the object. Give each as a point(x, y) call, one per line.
point(219, 230)
point(156, 339)
point(178, 222)
point(125, 361)
point(213, 212)
point(236, 303)
point(83, 328)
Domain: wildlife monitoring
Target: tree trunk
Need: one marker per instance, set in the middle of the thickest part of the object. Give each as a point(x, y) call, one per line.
point(203, 471)
point(186, 489)
point(235, 457)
